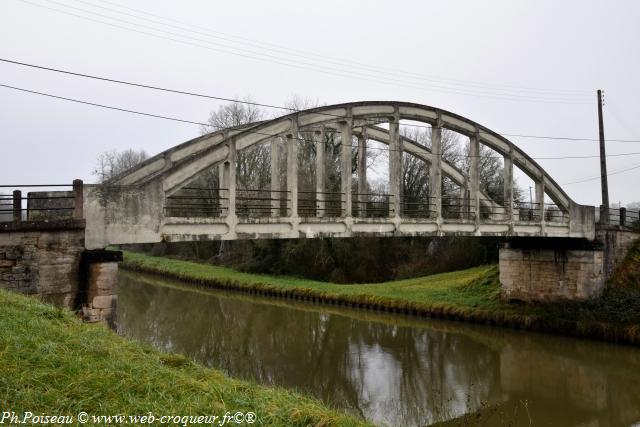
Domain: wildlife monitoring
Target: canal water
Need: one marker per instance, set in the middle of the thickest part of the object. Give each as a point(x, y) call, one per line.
point(390, 369)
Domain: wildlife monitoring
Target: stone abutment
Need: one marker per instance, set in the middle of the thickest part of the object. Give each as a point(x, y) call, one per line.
point(49, 260)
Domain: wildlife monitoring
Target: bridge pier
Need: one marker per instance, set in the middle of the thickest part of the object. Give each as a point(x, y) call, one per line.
point(546, 270)
point(99, 296)
point(551, 269)
point(48, 259)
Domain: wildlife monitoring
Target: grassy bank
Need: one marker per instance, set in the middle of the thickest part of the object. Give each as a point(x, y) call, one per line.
point(52, 363)
point(468, 295)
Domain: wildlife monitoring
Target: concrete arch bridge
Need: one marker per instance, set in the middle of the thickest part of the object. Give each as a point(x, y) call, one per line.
point(163, 199)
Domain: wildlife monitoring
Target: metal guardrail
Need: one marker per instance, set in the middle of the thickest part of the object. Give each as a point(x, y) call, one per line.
point(330, 205)
point(257, 203)
point(262, 202)
point(372, 205)
point(41, 205)
point(622, 217)
point(413, 207)
point(197, 202)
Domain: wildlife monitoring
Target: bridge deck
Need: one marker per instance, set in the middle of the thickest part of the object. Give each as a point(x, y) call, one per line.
point(177, 229)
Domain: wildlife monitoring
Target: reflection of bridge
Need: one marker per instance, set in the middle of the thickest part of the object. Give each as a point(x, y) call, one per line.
point(158, 201)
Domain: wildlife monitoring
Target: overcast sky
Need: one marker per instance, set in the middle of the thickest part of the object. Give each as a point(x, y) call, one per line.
point(485, 60)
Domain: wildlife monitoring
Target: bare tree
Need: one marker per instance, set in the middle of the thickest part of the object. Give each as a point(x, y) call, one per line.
point(233, 114)
point(253, 163)
point(112, 163)
point(415, 172)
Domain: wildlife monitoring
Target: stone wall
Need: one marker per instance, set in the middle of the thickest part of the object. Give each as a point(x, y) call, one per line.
point(101, 277)
point(42, 260)
point(550, 274)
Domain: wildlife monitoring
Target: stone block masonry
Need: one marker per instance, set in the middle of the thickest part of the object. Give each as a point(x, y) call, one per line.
point(49, 259)
point(100, 268)
point(43, 259)
point(529, 274)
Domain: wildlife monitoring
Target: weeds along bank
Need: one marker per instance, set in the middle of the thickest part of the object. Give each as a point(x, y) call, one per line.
point(53, 364)
point(471, 295)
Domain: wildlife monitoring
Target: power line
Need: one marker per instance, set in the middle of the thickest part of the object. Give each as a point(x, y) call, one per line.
point(258, 104)
point(126, 110)
point(301, 65)
point(599, 176)
point(146, 86)
point(311, 55)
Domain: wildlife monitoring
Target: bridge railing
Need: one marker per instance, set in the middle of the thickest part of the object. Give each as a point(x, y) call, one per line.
point(622, 217)
point(457, 208)
point(492, 210)
point(418, 207)
point(528, 211)
point(259, 203)
point(42, 205)
point(372, 205)
point(197, 202)
point(553, 213)
point(316, 204)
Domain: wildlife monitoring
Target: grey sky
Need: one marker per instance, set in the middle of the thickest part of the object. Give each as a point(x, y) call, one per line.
point(576, 46)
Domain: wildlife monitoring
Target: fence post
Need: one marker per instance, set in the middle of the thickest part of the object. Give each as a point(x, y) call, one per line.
point(623, 217)
point(78, 199)
point(17, 205)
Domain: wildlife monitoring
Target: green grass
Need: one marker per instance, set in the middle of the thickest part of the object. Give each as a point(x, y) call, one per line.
point(52, 363)
point(443, 289)
point(470, 295)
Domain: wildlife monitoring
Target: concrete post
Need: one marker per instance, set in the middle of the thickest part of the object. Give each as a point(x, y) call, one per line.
point(474, 176)
point(604, 215)
point(17, 205)
point(229, 179)
point(623, 216)
point(435, 180)
point(223, 190)
point(345, 165)
point(508, 185)
point(540, 198)
point(292, 169)
point(78, 199)
point(463, 201)
point(275, 177)
point(362, 173)
point(395, 166)
point(318, 139)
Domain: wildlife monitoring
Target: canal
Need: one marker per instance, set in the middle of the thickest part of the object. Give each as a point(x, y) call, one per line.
point(390, 369)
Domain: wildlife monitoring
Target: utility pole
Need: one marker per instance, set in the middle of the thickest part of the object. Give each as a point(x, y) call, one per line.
point(603, 157)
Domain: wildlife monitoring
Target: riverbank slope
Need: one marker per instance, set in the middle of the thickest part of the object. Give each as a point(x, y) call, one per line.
point(51, 363)
point(470, 295)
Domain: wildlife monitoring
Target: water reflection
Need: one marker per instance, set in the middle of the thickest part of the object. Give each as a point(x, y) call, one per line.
point(392, 370)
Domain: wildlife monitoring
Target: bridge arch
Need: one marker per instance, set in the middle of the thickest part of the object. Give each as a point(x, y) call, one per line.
point(134, 202)
point(178, 165)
